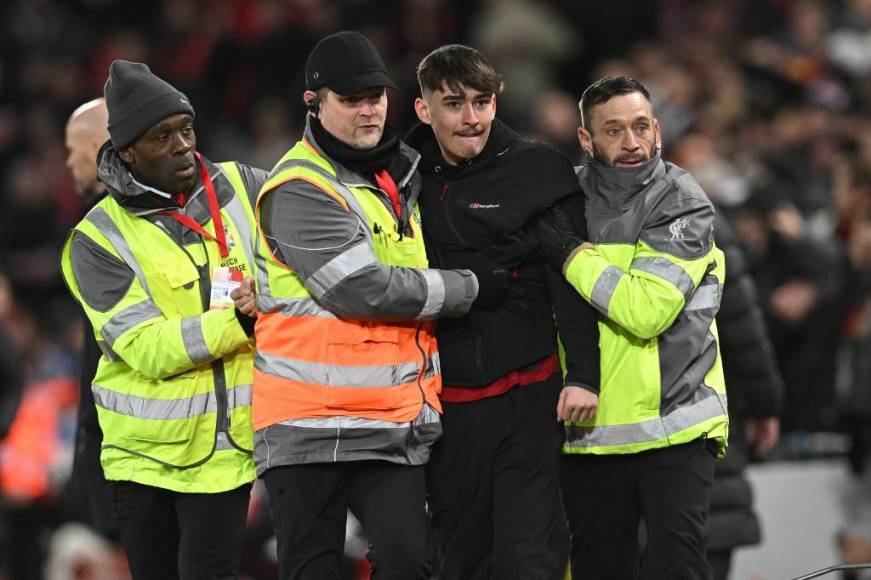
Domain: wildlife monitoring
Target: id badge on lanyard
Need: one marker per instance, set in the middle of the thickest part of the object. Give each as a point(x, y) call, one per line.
point(224, 281)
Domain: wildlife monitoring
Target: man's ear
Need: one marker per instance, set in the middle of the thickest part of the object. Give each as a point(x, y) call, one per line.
point(422, 109)
point(586, 141)
point(312, 102)
point(127, 156)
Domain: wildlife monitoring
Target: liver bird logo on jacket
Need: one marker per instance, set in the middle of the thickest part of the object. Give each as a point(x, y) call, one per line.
point(677, 227)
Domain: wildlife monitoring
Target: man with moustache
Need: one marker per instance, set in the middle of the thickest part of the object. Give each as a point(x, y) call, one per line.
point(494, 476)
point(347, 371)
point(653, 272)
point(150, 265)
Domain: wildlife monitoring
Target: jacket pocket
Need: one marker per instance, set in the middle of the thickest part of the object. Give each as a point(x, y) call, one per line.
point(178, 431)
point(363, 374)
point(170, 420)
point(175, 289)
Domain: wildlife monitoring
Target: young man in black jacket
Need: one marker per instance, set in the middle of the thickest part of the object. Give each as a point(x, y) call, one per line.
point(494, 476)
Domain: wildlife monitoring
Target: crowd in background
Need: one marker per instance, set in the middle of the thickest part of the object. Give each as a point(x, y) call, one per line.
point(765, 102)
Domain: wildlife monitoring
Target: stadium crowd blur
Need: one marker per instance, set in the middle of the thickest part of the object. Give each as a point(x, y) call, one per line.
point(765, 102)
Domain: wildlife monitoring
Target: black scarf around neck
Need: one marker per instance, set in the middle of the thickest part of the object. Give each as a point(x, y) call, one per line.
point(366, 162)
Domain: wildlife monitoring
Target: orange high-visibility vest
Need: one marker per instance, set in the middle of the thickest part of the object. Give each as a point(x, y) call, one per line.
point(310, 364)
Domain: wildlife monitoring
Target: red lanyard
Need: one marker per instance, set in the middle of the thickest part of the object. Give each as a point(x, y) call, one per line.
point(220, 237)
point(386, 183)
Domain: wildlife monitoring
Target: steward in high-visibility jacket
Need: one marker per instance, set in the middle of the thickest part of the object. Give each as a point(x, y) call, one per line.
point(347, 367)
point(640, 249)
point(656, 276)
point(173, 387)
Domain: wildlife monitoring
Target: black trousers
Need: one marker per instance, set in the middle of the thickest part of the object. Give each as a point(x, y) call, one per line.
point(494, 488)
point(310, 503)
point(607, 496)
point(188, 536)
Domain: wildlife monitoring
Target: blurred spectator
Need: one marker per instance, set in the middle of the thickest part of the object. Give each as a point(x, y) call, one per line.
point(556, 122)
point(526, 40)
point(755, 389)
point(88, 493)
point(849, 44)
point(855, 540)
point(11, 374)
point(36, 454)
point(797, 277)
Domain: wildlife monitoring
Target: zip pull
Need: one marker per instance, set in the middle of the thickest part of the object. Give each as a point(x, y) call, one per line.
point(444, 192)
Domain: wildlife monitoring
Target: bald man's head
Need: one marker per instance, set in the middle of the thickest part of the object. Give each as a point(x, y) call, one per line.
point(86, 132)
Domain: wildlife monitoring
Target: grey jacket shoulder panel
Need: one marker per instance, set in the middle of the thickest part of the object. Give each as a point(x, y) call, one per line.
point(681, 224)
point(103, 279)
point(307, 227)
point(253, 178)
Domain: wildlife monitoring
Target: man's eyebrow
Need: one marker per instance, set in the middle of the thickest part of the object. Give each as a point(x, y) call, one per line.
point(613, 121)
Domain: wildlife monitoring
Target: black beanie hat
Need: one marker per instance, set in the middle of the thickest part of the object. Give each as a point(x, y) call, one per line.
point(345, 62)
point(137, 99)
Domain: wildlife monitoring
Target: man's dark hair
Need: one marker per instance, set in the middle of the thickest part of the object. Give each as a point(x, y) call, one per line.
point(604, 89)
point(454, 65)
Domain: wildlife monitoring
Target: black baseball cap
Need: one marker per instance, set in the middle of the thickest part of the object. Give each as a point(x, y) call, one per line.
point(345, 62)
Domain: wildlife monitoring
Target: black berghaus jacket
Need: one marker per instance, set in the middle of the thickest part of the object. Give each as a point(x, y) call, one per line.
point(480, 211)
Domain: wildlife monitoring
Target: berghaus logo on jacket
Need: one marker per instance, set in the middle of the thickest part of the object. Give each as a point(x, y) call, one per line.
point(479, 205)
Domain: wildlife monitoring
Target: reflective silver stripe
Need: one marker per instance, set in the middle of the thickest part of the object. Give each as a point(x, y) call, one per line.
point(707, 296)
point(333, 180)
point(160, 409)
point(435, 294)
point(435, 366)
point(667, 270)
point(222, 443)
point(410, 173)
point(240, 220)
point(604, 288)
point(683, 417)
point(107, 227)
point(194, 341)
point(297, 307)
point(263, 298)
point(340, 267)
point(339, 376)
point(306, 164)
point(240, 396)
point(107, 351)
point(128, 318)
point(427, 415)
point(341, 188)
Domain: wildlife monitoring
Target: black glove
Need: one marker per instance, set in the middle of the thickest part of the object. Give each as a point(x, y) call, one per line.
point(557, 236)
point(493, 278)
point(514, 248)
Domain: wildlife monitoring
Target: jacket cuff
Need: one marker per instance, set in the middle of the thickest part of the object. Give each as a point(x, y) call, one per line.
point(567, 262)
point(246, 322)
point(461, 289)
point(590, 388)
